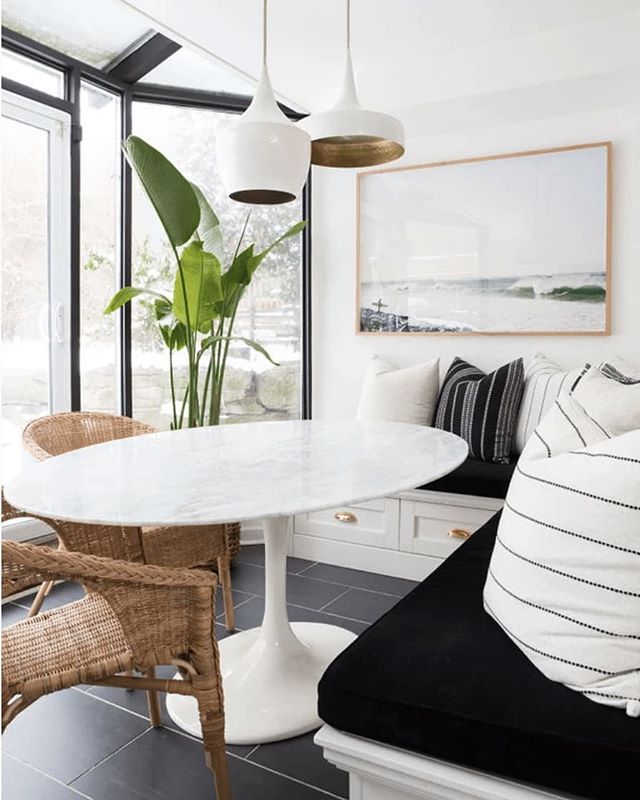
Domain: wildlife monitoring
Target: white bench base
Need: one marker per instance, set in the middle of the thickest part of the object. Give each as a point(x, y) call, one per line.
point(379, 772)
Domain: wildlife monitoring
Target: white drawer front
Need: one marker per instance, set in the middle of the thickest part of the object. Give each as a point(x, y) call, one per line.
point(425, 527)
point(374, 523)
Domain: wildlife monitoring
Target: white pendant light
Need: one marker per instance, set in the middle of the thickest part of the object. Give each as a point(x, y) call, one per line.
point(263, 158)
point(349, 135)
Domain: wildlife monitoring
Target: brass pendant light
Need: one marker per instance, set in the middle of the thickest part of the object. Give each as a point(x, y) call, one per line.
point(349, 135)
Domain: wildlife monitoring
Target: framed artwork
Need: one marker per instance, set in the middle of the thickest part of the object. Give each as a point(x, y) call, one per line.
point(508, 244)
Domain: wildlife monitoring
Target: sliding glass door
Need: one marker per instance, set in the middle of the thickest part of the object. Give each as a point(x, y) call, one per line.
point(35, 268)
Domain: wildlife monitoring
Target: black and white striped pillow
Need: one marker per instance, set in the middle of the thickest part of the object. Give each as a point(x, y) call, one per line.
point(566, 426)
point(564, 578)
point(544, 381)
point(480, 408)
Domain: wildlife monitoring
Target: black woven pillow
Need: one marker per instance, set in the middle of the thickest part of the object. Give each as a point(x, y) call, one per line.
point(481, 408)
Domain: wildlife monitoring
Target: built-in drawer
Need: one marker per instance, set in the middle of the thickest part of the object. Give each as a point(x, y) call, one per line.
point(374, 523)
point(437, 529)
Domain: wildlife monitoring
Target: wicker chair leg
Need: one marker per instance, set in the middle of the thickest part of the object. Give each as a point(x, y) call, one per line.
point(154, 702)
point(38, 600)
point(224, 575)
point(209, 700)
point(220, 770)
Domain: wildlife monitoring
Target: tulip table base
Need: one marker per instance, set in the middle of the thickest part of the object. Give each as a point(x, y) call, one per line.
point(270, 674)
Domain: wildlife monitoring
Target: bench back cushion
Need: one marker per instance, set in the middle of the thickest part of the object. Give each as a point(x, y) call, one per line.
point(544, 381)
point(408, 394)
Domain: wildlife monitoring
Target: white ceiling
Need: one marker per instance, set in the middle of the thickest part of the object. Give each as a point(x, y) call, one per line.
point(409, 53)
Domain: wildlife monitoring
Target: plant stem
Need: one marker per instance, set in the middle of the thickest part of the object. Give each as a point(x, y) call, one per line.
point(190, 344)
point(222, 365)
point(173, 390)
point(216, 387)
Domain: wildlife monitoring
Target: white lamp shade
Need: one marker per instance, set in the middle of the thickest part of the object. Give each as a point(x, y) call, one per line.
point(263, 157)
point(349, 135)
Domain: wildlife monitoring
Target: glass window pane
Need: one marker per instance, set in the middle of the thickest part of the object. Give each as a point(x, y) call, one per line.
point(193, 71)
point(94, 32)
point(100, 241)
point(32, 73)
point(25, 293)
point(270, 310)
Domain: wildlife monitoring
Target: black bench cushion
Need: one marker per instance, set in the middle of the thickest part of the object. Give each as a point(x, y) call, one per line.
point(476, 478)
point(436, 675)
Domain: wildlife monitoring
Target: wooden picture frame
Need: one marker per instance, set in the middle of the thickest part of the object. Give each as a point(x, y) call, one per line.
point(457, 249)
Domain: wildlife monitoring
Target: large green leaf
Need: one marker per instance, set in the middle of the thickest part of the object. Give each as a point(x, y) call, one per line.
point(240, 272)
point(247, 262)
point(209, 227)
point(174, 336)
point(128, 293)
point(210, 340)
point(170, 193)
point(178, 339)
point(202, 281)
point(294, 230)
point(162, 308)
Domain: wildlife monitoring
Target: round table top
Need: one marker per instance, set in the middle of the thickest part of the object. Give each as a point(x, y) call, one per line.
point(235, 472)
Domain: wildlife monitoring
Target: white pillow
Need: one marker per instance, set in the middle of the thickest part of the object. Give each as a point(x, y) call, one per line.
point(543, 382)
point(399, 395)
point(610, 393)
point(564, 578)
point(566, 426)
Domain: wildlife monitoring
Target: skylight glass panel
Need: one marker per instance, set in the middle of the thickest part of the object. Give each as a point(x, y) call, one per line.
point(94, 32)
point(190, 70)
point(31, 73)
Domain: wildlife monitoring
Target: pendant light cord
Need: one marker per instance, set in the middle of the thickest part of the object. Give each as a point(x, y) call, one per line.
point(348, 24)
point(264, 32)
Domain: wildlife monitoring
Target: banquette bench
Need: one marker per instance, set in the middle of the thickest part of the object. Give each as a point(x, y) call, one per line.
point(434, 701)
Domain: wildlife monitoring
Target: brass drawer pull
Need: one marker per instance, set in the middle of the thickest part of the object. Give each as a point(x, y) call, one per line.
point(459, 533)
point(345, 516)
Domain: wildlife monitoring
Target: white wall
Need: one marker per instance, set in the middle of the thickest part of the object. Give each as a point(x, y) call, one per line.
point(340, 356)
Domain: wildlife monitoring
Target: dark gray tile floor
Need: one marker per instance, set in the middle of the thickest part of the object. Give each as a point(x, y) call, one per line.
point(94, 742)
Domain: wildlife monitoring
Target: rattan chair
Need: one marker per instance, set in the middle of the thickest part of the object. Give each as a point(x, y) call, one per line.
point(135, 616)
point(188, 546)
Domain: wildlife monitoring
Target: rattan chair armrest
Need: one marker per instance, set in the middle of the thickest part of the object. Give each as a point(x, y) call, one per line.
point(63, 564)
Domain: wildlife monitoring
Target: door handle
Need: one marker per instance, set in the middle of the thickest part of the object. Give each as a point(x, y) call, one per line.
point(58, 323)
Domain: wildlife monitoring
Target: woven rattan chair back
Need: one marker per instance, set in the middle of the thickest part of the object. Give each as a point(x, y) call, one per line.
point(60, 433)
point(188, 547)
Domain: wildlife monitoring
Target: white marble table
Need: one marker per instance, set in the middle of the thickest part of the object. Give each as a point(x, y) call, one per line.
point(268, 471)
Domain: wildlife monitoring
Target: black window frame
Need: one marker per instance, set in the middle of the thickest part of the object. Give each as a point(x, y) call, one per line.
point(134, 63)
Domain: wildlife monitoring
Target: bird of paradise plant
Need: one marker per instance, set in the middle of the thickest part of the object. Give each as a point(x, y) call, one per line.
point(199, 315)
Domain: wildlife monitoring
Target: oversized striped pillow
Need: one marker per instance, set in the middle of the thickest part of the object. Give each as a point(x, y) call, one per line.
point(611, 396)
point(543, 382)
point(480, 408)
point(566, 426)
point(564, 577)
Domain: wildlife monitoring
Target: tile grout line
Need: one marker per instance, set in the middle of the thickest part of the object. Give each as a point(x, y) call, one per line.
point(316, 580)
point(241, 603)
point(330, 613)
point(289, 777)
point(346, 591)
point(46, 775)
point(104, 700)
point(334, 583)
point(106, 758)
point(251, 752)
point(163, 726)
point(302, 571)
